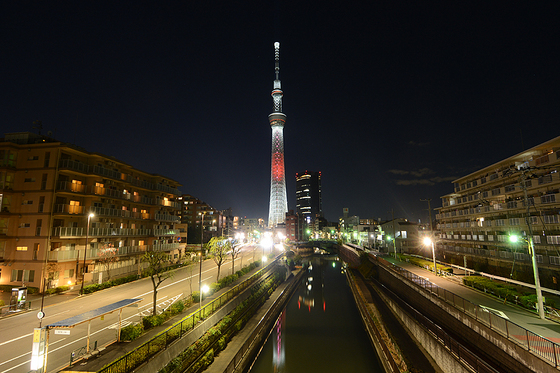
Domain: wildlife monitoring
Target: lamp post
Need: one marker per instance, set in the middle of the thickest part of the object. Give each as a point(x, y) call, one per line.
point(201, 248)
point(428, 241)
point(85, 253)
point(531, 247)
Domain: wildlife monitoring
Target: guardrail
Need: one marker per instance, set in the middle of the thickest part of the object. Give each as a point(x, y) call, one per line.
point(142, 353)
point(539, 345)
point(13, 309)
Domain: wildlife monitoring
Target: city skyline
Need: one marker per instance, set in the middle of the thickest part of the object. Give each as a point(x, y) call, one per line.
point(392, 102)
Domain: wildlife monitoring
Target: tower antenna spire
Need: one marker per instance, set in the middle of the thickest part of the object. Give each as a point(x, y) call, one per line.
point(278, 199)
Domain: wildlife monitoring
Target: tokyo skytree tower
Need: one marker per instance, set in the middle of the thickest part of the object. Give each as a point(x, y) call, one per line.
point(278, 199)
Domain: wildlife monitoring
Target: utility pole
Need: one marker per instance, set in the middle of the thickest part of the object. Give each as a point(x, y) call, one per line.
point(430, 211)
point(394, 237)
point(532, 250)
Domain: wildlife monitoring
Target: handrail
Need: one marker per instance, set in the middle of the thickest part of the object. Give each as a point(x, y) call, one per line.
point(537, 344)
point(131, 360)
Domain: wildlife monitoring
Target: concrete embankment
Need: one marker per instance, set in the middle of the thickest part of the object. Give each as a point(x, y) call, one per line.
point(245, 345)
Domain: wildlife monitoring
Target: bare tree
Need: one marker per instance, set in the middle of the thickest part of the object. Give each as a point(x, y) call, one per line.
point(235, 250)
point(218, 249)
point(157, 270)
point(107, 255)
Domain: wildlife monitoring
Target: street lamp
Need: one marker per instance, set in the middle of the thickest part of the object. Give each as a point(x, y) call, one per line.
point(394, 245)
point(531, 247)
point(428, 241)
point(85, 253)
point(203, 290)
point(201, 248)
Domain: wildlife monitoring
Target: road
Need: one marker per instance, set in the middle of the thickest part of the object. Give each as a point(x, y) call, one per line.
point(528, 320)
point(16, 331)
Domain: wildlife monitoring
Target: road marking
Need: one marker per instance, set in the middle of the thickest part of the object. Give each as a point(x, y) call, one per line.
point(495, 312)
point(15, 339)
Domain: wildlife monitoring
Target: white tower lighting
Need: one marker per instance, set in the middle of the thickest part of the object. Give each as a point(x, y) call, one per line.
point(278, 199)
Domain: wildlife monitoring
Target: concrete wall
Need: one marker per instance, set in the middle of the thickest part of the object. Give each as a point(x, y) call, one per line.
point(164, 357)
point(490, 345)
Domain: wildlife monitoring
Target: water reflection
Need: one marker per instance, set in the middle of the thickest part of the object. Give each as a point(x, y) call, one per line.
point(309, 336)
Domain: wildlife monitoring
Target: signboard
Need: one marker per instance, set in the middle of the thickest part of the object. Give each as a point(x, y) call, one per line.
point(62, 331)
point(38, 349)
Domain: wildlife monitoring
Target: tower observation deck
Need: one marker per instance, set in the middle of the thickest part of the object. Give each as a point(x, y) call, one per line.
point(278, 199)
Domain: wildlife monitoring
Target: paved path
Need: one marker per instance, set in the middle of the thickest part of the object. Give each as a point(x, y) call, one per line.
point(518, 315)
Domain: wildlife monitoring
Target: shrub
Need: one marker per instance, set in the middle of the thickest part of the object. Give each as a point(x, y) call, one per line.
point(152, 321)
point(2, 304)
point(131, 332)
point(195, 296)
point(177, 307)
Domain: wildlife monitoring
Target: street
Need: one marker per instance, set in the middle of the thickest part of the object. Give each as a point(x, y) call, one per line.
point(16, 335)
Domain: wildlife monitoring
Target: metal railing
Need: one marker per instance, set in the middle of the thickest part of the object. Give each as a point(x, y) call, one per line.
point(161, 341)
point(539, 345)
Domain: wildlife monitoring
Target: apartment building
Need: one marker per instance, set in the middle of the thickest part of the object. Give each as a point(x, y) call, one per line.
point(491, 204)
point(48, 189)
point(195, 212)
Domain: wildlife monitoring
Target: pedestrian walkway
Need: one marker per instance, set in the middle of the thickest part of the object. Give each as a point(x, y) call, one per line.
point(516, 314)
point(115, 350)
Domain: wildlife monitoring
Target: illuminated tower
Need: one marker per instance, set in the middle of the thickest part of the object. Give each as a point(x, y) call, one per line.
point(278, 199)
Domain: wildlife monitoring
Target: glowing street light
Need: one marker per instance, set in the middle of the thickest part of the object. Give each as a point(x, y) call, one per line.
point(529, 240)
point(428, 241)
point(203, 289)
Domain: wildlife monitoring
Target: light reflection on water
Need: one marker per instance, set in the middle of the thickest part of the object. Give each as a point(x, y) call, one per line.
point(320, 330)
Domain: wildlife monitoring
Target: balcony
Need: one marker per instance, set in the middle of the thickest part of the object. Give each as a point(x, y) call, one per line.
point(166, 232)
point(68, 209)
point(100, 232)
point(66, 186)
point(73, 165)
point(167, 217)
point(71, 255)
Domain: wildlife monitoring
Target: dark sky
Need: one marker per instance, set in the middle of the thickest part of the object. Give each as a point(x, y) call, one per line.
point(390, 101)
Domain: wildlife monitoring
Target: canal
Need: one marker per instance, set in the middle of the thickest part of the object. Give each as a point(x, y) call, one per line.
point(320, 330)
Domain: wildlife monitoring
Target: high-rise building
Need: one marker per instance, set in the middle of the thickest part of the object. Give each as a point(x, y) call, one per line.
point(308, 195)
point(278, 198)
point(48, 191)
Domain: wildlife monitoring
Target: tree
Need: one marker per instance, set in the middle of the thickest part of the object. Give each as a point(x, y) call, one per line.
point(218, 248)
point(157, 270)
point(235, 250)
point(106, 256)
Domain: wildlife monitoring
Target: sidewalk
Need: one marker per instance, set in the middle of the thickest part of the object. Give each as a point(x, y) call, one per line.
point(516, 314)
point(109, 353)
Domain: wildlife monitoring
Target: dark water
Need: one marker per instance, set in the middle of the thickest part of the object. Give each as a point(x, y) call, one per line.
point(320, 330)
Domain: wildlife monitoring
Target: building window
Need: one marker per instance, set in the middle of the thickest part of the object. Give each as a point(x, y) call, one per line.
point(22, 275)
point(545, 179)
point(548, 198)
point(21, 248)
point(29, 180)
point(68, 273)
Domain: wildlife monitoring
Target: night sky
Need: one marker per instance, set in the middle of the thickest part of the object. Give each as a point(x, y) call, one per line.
point(390, 101)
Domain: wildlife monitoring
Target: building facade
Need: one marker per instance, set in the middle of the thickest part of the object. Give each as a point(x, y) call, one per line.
point(519, 195)
point(48, 189)
point(308, 195)
point(195, 212)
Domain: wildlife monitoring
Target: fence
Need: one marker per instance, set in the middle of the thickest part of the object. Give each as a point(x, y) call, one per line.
point(540, 346)
point(136, 357)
